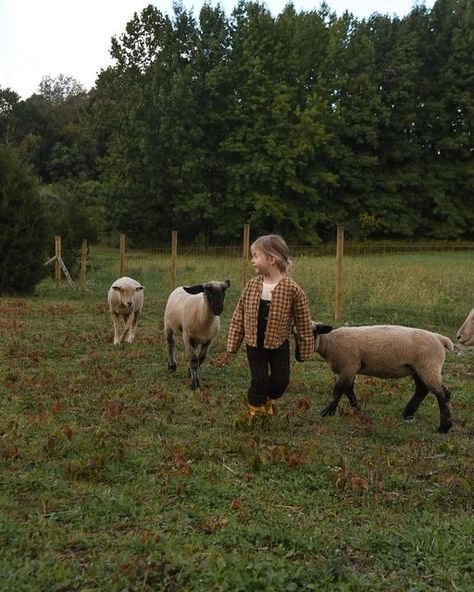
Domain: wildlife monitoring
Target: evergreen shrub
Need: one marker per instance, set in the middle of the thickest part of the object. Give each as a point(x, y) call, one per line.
point(23, 233)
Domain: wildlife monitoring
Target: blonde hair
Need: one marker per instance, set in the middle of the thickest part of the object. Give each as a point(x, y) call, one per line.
point(274, 245)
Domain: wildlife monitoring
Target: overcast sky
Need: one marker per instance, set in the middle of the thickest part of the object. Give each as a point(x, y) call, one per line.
point(50, 37)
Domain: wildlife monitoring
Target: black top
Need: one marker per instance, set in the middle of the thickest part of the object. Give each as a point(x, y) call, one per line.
point(263, 310)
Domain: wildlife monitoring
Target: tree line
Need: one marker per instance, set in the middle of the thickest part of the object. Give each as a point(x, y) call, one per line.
point(293, 123)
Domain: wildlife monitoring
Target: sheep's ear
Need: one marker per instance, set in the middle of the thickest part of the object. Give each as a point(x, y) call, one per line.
point(140, 288)
point(195, 289)
point(320, 329)
point(227, 283)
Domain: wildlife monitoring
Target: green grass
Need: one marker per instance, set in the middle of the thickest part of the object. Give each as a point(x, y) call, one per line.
point(115, 476)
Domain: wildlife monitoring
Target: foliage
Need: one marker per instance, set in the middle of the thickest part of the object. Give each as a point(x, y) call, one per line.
point(22, 226)
point(292, 123)
point(66, 218)
point(115, 476)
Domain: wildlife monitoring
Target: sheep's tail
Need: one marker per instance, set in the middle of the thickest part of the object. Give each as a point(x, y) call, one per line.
point(447, 343)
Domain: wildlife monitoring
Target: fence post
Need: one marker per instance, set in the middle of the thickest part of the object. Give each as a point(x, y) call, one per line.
point(339, 262)
point(82, 277)
point(122, 254)
point(174, 256)
point(245, 254)
point(57, 262)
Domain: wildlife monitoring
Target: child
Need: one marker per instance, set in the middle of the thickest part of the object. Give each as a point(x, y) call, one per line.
point(267, 309)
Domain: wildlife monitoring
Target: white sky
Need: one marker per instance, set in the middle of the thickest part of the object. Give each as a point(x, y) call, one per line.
point(50, 37)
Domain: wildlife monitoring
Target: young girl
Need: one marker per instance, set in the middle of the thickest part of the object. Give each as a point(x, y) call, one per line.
point(267, 309)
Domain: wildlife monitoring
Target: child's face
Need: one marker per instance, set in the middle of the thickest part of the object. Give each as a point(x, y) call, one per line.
point(262, 263)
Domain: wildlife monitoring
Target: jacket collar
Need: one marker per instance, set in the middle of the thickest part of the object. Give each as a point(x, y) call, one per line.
point(284, 280)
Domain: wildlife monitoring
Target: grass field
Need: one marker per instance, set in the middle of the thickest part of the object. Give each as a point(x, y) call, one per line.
point(115, 476)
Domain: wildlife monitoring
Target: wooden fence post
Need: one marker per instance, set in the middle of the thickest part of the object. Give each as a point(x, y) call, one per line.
point(122, 254)
point(82, 277)
point(339, 262)
point(57, 262)
point(174, 256)
point(245, 254)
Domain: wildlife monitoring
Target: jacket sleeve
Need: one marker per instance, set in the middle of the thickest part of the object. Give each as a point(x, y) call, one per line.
point(236, 327)
point(304, 326)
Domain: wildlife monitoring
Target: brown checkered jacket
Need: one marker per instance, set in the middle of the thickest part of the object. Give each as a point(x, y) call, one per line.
point(289, 305)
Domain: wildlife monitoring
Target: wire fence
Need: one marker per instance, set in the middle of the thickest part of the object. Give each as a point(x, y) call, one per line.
point(322, 250)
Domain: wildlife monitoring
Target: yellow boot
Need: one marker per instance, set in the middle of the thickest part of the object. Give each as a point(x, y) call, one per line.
point(270, 407)
point(255, 410)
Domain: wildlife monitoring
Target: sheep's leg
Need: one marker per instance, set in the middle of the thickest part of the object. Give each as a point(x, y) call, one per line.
point(423, 386)
point(343, 385)
point(204, 351)
point(193, 361)
point(171, 349)
point(127, 334)
point(421, 391)
point(443, 395)
point(133, 326)
point(352, 398)
point(117, 330)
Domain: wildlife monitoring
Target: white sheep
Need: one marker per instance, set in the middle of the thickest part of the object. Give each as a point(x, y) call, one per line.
point(465, 335)
point(194, 312)
point(125, 300)
point(385, 351)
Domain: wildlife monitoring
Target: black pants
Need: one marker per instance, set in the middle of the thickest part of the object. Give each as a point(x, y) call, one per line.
point(269, 371)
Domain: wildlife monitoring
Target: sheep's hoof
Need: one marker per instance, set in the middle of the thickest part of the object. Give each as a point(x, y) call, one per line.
point(328, 411)
point(172, 367)
point(445, 427)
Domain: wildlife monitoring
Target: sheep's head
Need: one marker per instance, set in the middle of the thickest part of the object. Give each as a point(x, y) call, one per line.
point(214, 292)
point(465, 335)
point(318, 329)
point(126, 294)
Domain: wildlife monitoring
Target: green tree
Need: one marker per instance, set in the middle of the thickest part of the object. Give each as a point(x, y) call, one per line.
point(446, 119)
point(8, 101)
point(67, 217)
point(356, 111)
point(396, 209)
point(278, 147)
point(22, 226)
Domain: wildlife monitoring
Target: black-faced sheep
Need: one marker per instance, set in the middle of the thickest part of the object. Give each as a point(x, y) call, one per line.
point(465, 335)
point(194, 312)
point(125, 300)
point(385, 351)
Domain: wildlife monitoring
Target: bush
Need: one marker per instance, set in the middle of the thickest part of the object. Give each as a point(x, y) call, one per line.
point(23, 231)
point(69, 219)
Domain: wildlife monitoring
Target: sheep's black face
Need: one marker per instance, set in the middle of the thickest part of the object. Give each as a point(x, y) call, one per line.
point(320, 329)
point(213, 291)
point(216, 297)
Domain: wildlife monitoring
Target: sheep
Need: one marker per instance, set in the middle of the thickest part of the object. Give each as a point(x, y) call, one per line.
point(465, 335)
point(125, 300)
point(194, 312)
point(385, 351)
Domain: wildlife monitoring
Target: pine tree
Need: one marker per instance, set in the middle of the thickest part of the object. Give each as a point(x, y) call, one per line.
point(22, 226)
point(446, 120)
point(396, 210)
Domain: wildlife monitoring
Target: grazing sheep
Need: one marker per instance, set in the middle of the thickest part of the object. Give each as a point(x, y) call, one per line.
point(125, 299)
point(194, 311)
point(465, 335)
point(385, 351)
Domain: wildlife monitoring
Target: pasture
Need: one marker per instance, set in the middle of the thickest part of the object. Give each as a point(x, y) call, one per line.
point(115, 476)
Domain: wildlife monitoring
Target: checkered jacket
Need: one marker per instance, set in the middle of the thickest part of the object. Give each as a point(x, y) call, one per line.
point(289, 305)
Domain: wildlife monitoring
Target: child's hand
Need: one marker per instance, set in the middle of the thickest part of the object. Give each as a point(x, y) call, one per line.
point(227, 358)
